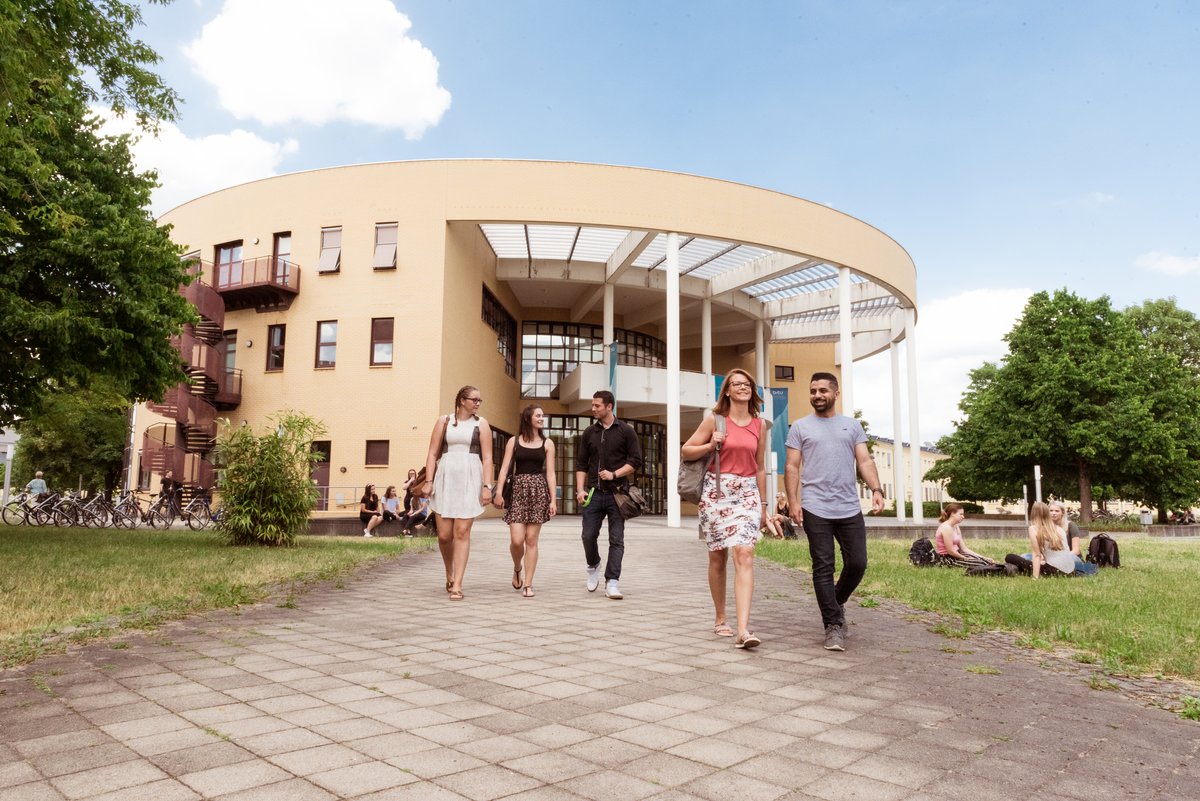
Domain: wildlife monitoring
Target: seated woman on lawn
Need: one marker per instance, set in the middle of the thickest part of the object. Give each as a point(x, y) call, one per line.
point(1071, 538)
point(1048, 543)
point(952, 550)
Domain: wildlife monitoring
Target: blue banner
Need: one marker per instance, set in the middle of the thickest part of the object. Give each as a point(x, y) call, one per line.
point(612, 372)
point(779, 425)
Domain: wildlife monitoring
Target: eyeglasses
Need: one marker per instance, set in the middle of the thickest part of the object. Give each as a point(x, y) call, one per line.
point(476, 401)
point(739, 385)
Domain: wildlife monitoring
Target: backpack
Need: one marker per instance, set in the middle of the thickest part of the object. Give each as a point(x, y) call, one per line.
point(691, 473)
point(921, 553)
point(1103, 551)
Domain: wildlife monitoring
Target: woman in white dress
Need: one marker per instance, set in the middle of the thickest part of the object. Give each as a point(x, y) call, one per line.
point(458, 462)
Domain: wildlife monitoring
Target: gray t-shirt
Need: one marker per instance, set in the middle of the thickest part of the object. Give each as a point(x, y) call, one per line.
point(828, 481)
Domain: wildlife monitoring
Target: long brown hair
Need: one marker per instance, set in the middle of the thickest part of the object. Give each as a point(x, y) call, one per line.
point(1048, 535)
point(950, 509)
point(724, 401)
point(526, 431)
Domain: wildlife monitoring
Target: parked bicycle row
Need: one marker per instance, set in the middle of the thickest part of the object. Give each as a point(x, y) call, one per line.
point(98, 511)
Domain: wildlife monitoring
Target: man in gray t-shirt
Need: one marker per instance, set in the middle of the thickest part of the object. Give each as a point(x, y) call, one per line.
point(822, 452)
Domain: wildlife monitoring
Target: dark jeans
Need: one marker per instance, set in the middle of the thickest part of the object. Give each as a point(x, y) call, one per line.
point(851, 535)
point(603, 505)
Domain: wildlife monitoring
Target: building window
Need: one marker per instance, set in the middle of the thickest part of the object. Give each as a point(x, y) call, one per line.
point(551, 351)
point(785, 373)
point(381, 339)
point(377, 452)
point(505, 326)
point(228, 262)
point(327, 343)
point(385, 246)
point(282, 264)
point(276, 337)
point(331, 250)
point(500, 440)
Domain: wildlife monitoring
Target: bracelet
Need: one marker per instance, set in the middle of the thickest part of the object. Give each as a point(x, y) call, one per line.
point(877, 489)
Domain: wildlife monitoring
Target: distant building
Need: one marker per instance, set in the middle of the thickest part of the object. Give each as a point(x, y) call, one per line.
point(884, 455)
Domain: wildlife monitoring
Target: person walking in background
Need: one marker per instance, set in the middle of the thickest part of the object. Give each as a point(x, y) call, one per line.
point(458, 468)
point(533, 493)
point(822, 451)
point(368, 510)
point(37, 486)
point(608, 455)
point(952, 550)
point(732, 511)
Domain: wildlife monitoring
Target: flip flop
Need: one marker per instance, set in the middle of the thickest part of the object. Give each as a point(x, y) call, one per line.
point(751, 641)
point(722, 630)
point(527, 591)
point(449, 584)
point(456, 595)
point(516, 582)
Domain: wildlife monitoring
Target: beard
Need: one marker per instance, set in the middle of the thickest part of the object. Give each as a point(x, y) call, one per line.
point(820, 404)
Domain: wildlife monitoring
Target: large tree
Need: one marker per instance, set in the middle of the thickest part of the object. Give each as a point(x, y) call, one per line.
point(1079, 393)
point(88, 281)
point(77, 438)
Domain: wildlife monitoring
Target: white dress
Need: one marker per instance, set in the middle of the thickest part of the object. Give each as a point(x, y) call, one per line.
point(459, 476)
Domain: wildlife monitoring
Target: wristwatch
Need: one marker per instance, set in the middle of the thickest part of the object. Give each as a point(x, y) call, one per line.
point(877, 489)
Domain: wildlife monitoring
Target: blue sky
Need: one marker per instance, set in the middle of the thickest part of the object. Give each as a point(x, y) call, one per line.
point(1009, 147)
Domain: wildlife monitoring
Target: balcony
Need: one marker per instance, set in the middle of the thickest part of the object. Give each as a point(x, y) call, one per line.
point(264, 283)
point(229, 389)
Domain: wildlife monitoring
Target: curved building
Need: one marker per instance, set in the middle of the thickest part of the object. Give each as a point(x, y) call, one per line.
point(367, 295)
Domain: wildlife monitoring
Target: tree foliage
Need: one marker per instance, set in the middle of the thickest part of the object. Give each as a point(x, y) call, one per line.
point(75, 437)
point(88, 281)
point(1086, 396)
point(266, 480)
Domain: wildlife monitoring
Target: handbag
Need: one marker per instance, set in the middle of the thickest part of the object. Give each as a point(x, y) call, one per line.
point(691, 473)
point(630, 502)
point(507, 493)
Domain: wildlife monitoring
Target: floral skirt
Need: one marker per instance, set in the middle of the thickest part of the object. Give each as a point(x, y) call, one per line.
point(733, 518)
point(530, 499)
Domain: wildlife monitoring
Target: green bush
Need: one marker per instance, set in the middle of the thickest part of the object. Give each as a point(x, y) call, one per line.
point(929, 509)
point(266, 480)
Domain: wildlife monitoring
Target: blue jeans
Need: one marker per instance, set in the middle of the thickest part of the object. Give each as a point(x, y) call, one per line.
point(604, 505)
point(1082, 568)
point(850, 533)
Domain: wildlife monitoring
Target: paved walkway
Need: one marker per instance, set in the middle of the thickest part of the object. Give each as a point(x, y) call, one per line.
point(384, 689)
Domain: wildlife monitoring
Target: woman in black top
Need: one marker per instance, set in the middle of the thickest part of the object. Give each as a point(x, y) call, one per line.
point(368, 511)
point(533, 493)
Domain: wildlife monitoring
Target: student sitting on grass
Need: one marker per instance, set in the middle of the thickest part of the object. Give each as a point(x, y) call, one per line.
point(1055, 517)
point(951, 548)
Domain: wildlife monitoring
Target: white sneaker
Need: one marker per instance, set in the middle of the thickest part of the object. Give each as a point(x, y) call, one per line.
point(613, 590)
point(593, 578)
point(367, 533)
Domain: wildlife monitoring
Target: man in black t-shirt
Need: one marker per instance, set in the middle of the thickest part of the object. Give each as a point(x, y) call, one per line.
point(608, 455)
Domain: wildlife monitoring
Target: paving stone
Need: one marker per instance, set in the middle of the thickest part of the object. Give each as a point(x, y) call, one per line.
point(107, 779)
point(33, 791)
point(436, 762)
point(611, 784)
point(232, 778)
point(200, 757)
point(551, 767)
point(314, 760)
point(74, 760)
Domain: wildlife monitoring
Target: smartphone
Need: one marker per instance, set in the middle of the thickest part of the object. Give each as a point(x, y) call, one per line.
point(588, 499)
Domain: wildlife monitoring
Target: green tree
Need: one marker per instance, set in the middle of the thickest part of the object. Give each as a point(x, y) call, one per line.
point(1169, 329)
point(88, 281)
point(1072, 395)
point(266, 480)
point(76, 436)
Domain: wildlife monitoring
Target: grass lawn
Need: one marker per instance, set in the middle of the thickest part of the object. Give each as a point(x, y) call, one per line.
point(1143, 618)
point(90, 580)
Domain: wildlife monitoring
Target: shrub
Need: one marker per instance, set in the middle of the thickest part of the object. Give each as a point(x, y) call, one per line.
point(266, 480)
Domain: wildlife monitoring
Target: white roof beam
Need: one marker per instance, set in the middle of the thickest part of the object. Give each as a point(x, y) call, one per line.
point(825, 299)
point(627, 252)
point(761, 269)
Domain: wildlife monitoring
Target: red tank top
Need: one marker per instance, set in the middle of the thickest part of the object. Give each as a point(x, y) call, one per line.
point(740, 448)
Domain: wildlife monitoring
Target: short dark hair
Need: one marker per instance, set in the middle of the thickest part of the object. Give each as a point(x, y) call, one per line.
point(830, 377)
point(605, 396)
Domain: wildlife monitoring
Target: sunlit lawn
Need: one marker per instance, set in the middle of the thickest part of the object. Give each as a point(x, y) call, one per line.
point(51, 579)
point(1141, 618)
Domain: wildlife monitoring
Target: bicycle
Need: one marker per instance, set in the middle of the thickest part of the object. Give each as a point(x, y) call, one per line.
point(15, 511)
point(199, 513)
point(127, 512)
point(162, 512)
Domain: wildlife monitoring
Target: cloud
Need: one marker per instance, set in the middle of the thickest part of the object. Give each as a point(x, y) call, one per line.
point(954, 336)
point(188, 168)
point(285, 61)
point(1175, 266)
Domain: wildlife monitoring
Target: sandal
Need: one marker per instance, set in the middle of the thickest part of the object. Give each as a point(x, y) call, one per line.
point(751, 641)
point(456, 595)
point(722, 630)
point(516, 582)
point(527, 591)
point(449, 584)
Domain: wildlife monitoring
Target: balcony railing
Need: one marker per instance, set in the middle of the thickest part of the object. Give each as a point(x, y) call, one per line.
point(229, 389)
point(265, 283)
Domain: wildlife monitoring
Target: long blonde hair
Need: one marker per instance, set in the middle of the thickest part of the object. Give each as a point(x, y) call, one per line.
point(1048, 535)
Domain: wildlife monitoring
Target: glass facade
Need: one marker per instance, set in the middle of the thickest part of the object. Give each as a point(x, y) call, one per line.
point(566, 430)
point(550, 351)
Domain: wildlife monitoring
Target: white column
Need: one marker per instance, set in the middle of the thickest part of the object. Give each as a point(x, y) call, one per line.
point(898, 438)
point(609, 333)
point(846, 341)
point(706, 335)
point(760, 353)
point(673, 438)
point(914, 428)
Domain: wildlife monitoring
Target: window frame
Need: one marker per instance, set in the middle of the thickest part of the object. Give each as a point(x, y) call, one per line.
point(377, 443)
point(384, 257)
point(274, 348)
point(330, 260)
point(500, 320)
point(317, 361)
point(377, 340)
point(234, 265)
point(785, 372)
